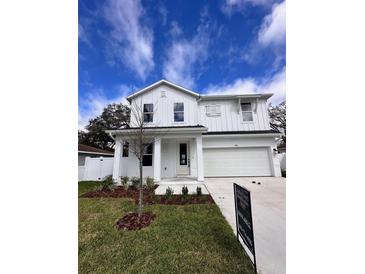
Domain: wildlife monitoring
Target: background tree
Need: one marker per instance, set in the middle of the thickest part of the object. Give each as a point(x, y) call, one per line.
point(277, 116)
point(114, 116)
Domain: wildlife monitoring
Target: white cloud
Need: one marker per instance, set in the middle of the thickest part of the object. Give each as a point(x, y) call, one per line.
point(95, 101)
point(231, 6)
point(275, 84)
point(185, 57)
point(273, 27)
point(130, 40)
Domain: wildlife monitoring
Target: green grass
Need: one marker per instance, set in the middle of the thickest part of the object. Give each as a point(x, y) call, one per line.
point(182, 239)
point(87, 186)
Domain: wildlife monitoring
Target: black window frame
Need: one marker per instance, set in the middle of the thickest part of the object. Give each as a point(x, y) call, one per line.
point(148, 113)
point(179, 111)
point(147, 155)
point(125, 151)
point(246, 111)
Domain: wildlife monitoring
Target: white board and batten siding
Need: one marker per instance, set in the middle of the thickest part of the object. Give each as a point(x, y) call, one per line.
point(230, 118)
point(163, 98)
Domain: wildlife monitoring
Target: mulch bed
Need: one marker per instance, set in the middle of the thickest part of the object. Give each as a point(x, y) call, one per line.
point(119, 192)
point(131, 221)
point(148, 196)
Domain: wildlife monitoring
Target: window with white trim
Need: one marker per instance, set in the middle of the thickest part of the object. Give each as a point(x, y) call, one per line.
point(148, 113)
point(246, 111)
point(178, 112)
point(213, 110)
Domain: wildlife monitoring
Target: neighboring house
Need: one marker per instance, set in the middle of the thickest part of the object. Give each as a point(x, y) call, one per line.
point(89, 151)
point(206, 135)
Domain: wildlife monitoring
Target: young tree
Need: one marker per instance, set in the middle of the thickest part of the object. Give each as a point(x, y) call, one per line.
point(277, 116)
point(140, 139)
point(114, 116)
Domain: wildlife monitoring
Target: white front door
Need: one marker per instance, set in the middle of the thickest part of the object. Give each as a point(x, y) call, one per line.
point(183, 162)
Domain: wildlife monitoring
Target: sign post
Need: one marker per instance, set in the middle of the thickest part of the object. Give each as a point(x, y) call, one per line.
point(244, 223)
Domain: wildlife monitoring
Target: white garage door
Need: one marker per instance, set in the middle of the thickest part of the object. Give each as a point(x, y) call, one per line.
point(236, 162)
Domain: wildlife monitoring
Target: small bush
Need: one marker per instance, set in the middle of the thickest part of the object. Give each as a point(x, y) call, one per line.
point(124, 180)
point(107, 182)
point(150, 182)
point(198, 191)
point(185, 190)
point(169, 192)
point(135, 182)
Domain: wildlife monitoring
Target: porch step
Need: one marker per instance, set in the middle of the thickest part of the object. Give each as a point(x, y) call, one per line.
point(177, 188)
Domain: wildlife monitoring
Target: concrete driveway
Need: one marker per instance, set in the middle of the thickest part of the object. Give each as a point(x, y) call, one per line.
point(268, 210)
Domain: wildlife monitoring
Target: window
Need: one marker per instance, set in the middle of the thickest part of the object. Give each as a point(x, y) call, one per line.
point(148, 113)
point(179, 112)
point(246, 111)
point(147, 157)
point(213, 110)
point(125, 149)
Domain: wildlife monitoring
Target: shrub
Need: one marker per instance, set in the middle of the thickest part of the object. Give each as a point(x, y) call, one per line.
point(185, 190)
point(150, 182)
point(125, 180)
point(107, 182)
point(169, 192)
point(198, 191)
point(135, 182)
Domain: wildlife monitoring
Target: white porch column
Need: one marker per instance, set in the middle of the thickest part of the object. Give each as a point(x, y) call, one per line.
point(199, 158)
point(157, 160)
point(116, 164)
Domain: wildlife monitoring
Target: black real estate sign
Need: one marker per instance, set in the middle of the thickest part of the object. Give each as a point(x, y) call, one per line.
point(244, 224)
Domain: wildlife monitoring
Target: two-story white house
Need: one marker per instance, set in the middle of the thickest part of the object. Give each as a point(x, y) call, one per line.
point(205, 135)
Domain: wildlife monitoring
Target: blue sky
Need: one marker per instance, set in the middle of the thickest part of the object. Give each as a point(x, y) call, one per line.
point(226, 46)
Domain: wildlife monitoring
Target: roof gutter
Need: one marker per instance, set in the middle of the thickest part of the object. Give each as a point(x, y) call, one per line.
point(157, 130)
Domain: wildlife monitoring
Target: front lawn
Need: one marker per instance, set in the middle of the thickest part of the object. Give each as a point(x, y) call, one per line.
point(182, 239)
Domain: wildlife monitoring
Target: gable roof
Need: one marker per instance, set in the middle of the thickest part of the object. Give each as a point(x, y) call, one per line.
point(90, 149)
point(159, 83)
point(197, 95)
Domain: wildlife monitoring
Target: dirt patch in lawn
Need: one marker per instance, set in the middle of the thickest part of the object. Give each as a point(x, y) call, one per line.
point(131, 221)
point(149, 196)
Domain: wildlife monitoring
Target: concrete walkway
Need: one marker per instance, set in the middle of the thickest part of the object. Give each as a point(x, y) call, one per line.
point(268, 210)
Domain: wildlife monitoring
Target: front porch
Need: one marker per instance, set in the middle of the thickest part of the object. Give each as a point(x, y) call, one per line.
point(177, 158)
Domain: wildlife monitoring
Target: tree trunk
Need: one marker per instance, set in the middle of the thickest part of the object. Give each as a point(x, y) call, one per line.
point(140, 203)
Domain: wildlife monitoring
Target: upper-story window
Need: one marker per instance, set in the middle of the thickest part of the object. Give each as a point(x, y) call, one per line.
point(148, 113)
point(246, 110)
point(178, 112)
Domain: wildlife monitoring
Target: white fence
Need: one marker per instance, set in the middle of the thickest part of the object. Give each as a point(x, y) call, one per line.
point(282, 159)
point(81, 172)
point(96, 168)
